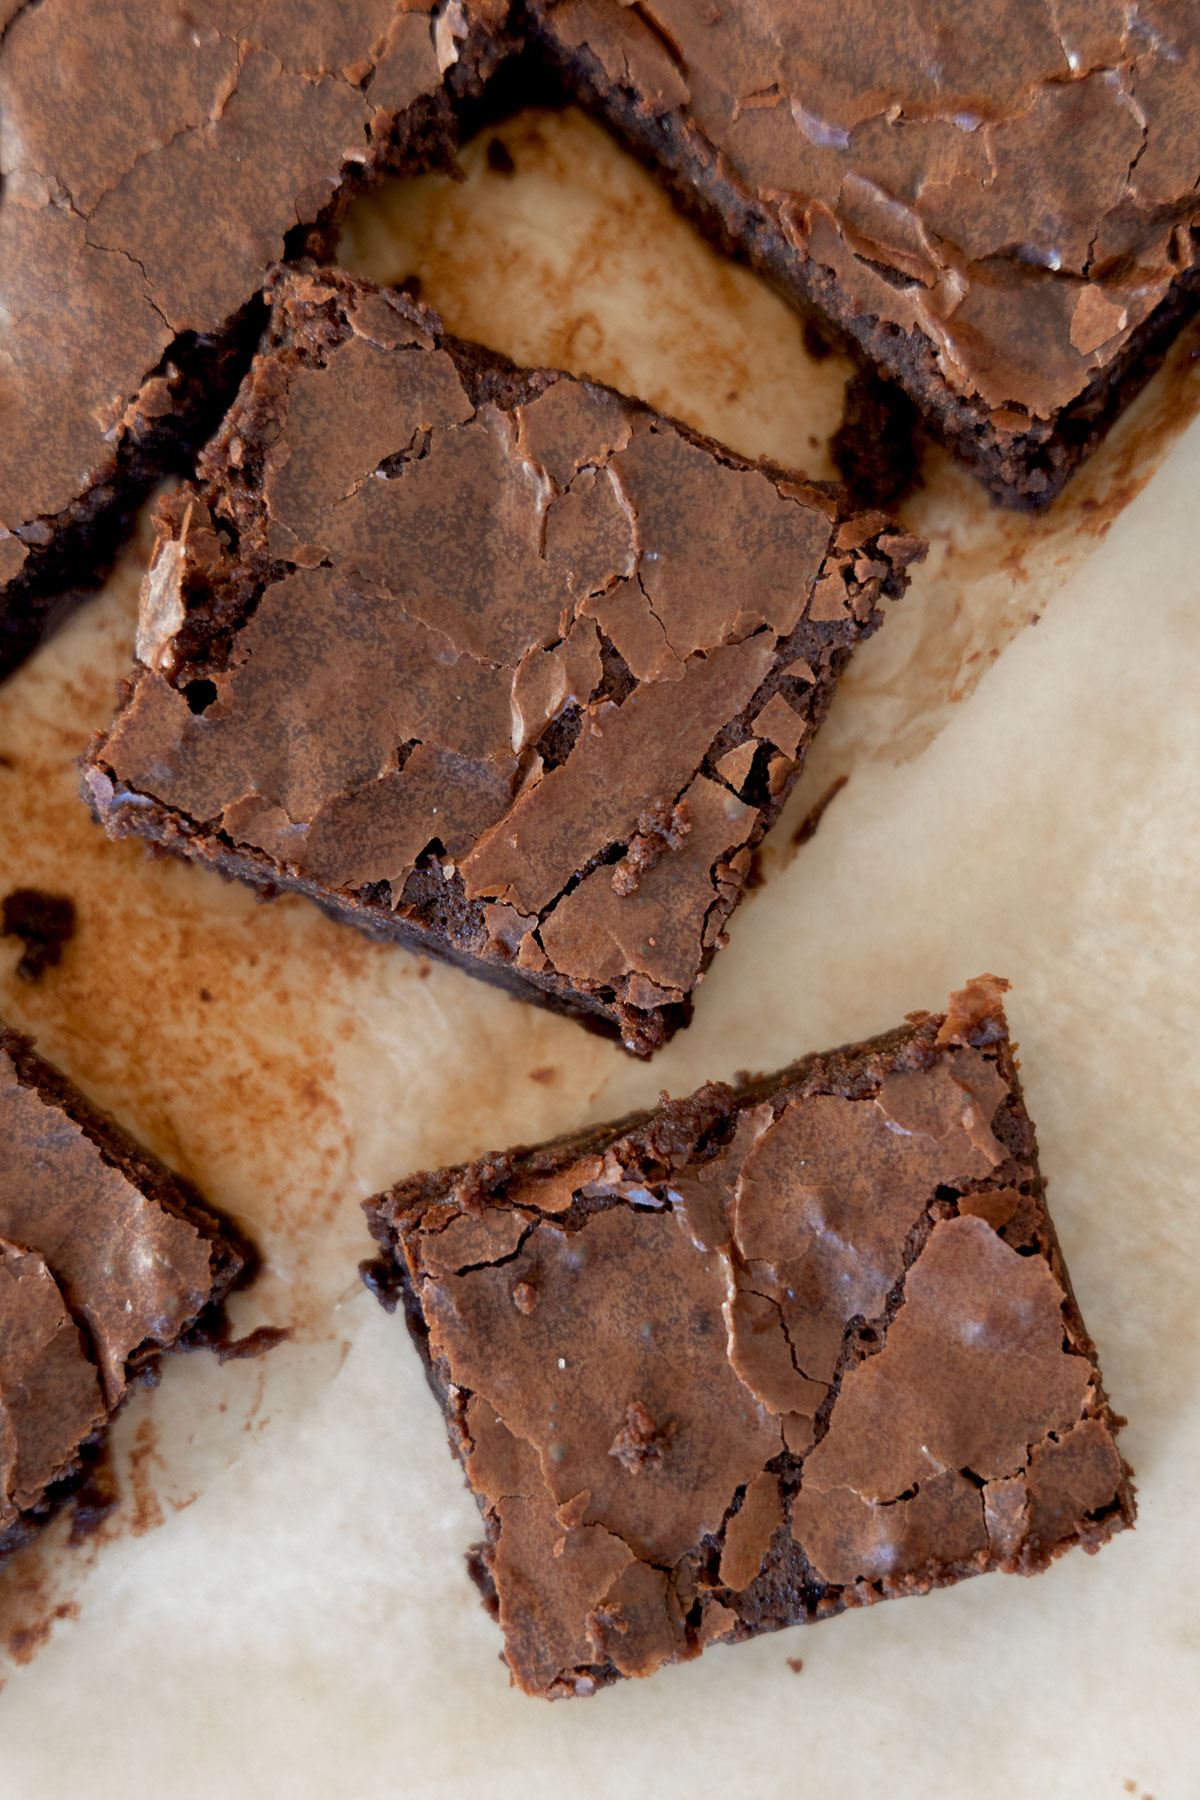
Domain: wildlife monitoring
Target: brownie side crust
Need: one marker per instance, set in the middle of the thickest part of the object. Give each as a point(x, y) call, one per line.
point(492, 662)
point(107, 1260)
point(760, 1355)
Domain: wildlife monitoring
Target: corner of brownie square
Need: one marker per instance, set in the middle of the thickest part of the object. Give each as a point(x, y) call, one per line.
point(760, 1355)
point(106, 1260)
point(492, 662)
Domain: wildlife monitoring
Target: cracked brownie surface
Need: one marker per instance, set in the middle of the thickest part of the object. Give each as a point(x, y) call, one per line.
point(760, 1355)
point(996, 205)
point(106, 1259)
point(491, 661)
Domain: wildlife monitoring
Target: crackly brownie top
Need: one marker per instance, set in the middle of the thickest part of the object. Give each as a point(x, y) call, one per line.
point(1016, 179)
point(822, 1321)
point(153, 156)
point(80, 1247)
point(502, 616)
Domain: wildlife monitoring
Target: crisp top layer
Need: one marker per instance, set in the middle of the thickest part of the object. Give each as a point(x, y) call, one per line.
point(92, 1271)
point(655, 1356)
point(1017, 180)
point(530, 637)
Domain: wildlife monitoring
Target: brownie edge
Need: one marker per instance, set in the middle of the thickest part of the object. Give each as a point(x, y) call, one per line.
point(759, 1355)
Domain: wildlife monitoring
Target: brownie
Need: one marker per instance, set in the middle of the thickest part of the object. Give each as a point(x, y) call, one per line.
point(994, 204)
point(106, 1260)
point(759, 1355)
point(489, 661)
point(155, 161)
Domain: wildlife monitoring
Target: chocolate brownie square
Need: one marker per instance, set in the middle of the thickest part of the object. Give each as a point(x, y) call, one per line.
point(490, 661)
point(106, 1261)
point(759, 1355)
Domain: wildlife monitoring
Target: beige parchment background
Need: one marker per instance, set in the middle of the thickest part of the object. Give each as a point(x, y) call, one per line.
point(279, 1605)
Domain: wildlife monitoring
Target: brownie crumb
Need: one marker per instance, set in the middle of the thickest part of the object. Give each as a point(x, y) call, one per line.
point(661, 828)
point(640, 1441)
point(384, 1280)
point(255, 1343)
point(499, 158)
point(94, 1501)
point(44, 923)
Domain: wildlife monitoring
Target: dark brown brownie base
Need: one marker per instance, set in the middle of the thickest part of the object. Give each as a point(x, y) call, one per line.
point(1024, 471)
point(655, 1148)
point(232, 1259)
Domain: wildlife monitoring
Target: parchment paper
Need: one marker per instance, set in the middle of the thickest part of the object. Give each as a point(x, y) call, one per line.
point(278, 1605)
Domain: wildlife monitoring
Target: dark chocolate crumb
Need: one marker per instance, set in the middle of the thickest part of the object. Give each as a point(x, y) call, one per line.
point(44, 923)
point(94, 1501)
point(816, 342)
point(384, 1280)
point(255, 1343)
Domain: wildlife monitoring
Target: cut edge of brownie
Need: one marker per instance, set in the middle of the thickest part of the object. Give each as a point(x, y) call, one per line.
point(440, 921)
point(232, 1262)
point(653, 1143)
